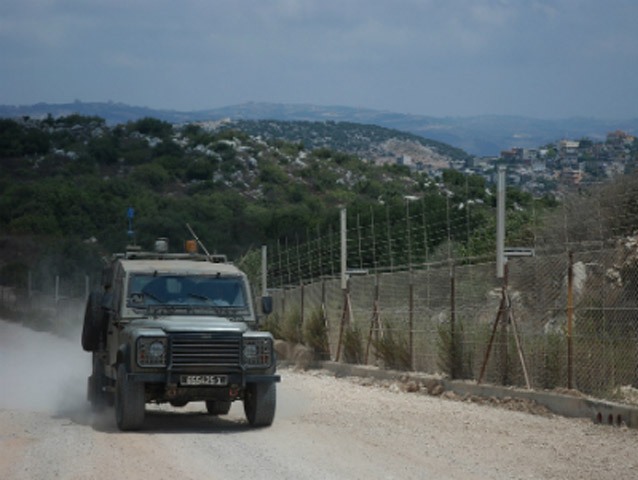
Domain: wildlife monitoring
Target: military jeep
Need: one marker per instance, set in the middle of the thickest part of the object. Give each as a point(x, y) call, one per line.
point(177, 328)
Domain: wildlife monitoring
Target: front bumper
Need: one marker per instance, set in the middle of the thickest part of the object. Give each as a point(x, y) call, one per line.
point(166, 387)
point(173, 378)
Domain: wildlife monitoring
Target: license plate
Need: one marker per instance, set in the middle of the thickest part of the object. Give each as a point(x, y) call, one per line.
point(209, 380)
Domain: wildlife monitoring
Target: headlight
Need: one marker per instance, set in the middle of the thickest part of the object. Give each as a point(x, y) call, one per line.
point(257, 352)
point(151, 352)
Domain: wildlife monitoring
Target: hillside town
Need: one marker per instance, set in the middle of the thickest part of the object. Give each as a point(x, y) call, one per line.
point(554, 168)
point(565, 164)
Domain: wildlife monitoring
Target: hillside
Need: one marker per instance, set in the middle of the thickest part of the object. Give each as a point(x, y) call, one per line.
point(479, 135)
point(67, 183)
point(376, 144)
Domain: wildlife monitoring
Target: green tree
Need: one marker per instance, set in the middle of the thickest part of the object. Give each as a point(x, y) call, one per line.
point(199, 169)
point(153, 175)
point(17, 140)
point(103, 149)
point(151, 126)
point(134, 151)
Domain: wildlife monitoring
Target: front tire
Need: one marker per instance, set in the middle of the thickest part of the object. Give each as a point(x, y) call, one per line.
point(260, 402)
point(129, 401)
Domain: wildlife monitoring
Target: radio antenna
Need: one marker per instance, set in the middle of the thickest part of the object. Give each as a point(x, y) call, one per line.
point(199, 242)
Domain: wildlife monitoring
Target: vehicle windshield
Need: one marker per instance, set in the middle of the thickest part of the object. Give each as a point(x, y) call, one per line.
point(193, 293)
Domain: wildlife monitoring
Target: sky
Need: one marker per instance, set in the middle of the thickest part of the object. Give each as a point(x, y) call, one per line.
point(445, 58)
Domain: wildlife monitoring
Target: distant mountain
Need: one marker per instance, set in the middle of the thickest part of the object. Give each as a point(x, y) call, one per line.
point(480, 135)
point(112, 112)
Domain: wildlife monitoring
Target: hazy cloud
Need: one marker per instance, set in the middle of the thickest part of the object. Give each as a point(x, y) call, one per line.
point(545, 58)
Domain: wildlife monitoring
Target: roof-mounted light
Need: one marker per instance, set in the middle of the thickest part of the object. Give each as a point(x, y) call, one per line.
point(190, 246)
point(161, 245)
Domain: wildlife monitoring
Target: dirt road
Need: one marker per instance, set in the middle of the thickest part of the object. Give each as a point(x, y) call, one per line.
point(325, 428)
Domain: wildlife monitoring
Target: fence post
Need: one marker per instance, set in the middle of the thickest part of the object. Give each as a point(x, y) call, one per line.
point(323, 303)
point(453, 354)
point(345, 318)
point(411, 302)
point(570, 317)
point(504, 328)
point(411, 324)
point(264, 270)
point(283, 302)
point(374, 319)
point(302, 308)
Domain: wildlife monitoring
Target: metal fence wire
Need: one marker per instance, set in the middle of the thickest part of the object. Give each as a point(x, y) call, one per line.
point(443, 318)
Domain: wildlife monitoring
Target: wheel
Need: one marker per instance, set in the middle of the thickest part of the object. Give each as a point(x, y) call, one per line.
point(179, 403)
point(216, 407)
point(260, 402)
point(93, 322)
point(129, 401)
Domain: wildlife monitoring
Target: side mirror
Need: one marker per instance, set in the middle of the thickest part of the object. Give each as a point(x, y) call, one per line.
point(266, 305)
point(106, 302)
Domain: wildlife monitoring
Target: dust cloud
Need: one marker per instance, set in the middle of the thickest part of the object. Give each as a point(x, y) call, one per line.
point(42, 372)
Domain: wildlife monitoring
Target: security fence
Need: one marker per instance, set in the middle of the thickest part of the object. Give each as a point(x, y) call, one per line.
point(48, 302)
point(568, 320)
point(564, 318)
point(28, 290)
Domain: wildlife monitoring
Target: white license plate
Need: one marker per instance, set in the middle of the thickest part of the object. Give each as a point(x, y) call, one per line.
point(212, 380)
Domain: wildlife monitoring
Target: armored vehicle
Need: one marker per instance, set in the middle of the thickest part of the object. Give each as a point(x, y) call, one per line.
point(177, 328)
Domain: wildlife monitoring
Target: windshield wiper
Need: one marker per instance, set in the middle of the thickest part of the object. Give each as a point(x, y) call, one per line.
point(153, 296)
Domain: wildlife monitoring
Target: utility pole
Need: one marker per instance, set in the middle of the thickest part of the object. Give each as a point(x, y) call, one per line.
point(500, 223)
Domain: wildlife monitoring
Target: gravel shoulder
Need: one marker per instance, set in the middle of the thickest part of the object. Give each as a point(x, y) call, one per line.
point(325, 428)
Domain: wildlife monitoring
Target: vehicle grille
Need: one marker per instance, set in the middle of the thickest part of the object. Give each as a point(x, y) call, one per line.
point(205, 350)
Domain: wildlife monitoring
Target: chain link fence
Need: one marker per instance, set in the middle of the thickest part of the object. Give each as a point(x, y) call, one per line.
point(48, 302)
point(444, 318)
point(565, 318)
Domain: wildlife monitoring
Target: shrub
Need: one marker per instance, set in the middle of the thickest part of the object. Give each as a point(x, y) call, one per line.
point(272, 324)
point(454, 358)
point(554, 353)
point(352, 345)
point(290, 327)
point(315, 335)
point(393, 351)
